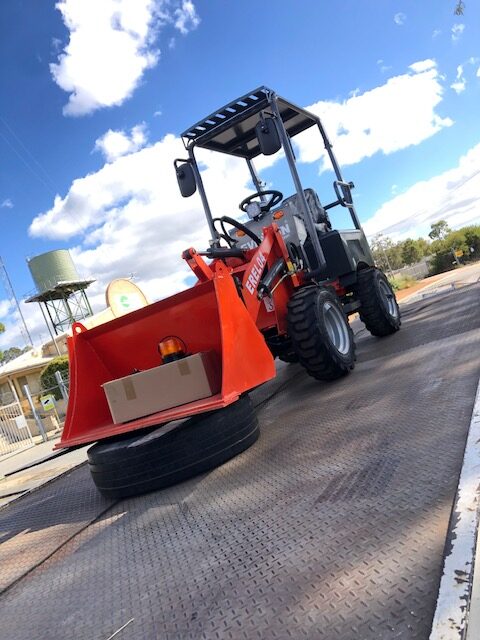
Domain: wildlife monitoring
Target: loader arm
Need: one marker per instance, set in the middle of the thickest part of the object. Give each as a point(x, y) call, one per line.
point(262, 268)
point(260, 276)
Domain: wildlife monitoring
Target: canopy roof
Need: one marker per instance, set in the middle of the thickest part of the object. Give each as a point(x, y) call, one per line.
point(231, 129)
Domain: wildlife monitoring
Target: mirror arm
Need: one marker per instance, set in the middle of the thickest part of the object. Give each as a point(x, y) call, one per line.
point(215, 239)
point(259, 184)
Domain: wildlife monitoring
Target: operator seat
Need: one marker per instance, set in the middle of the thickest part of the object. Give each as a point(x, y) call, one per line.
point(320, 216)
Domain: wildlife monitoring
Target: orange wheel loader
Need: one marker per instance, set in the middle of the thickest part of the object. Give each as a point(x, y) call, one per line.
point(163, 391)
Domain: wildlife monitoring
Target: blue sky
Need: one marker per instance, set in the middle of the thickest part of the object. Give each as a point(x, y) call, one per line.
point(95, 93)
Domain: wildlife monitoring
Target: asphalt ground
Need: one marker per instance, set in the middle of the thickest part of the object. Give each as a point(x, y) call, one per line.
point(333, 525)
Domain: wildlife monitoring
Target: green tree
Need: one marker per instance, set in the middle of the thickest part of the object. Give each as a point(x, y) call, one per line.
point(11, 354)
point(411, 254)
point(472, 239)
point(387, 254)
point(48, 382)
point(440, 230)
point(2, 327)
point(423, 246)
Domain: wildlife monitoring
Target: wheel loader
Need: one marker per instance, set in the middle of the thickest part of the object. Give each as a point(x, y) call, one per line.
point(276, 281)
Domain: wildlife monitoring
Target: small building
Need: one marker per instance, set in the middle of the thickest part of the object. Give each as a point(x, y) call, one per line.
point(27, 368)
point(23, 370)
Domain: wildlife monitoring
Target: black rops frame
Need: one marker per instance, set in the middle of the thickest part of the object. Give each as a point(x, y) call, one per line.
point(213, 133)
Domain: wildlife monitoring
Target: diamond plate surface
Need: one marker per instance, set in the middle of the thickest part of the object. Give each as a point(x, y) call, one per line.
point(331, 526)
point(34, 527)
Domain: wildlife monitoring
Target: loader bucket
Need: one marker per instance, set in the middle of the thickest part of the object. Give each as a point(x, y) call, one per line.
point(209, 316)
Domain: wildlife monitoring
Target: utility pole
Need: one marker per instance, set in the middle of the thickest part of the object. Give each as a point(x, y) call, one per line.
point(11, 295)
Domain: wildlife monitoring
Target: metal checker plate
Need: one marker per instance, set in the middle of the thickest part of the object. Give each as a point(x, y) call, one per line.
point(332, 526)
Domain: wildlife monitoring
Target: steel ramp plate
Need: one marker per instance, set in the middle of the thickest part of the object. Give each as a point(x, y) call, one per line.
point(332, 525)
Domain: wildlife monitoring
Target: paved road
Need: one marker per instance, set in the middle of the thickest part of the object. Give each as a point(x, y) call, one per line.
point(464, 275)
point(332, 525)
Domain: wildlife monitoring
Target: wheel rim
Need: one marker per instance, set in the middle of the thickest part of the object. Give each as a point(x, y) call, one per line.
point(337, 328)
point(388, 299)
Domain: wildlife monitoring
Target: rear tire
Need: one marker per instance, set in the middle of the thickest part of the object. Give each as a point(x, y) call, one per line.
point(157, 459)
point(320, 333)
point(379, 309)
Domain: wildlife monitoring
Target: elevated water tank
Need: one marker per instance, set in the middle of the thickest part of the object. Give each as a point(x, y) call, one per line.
point(61, 292)
point(52, 268)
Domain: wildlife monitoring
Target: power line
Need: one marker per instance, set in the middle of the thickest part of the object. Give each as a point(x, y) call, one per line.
point(21, 152)
point(11, 294)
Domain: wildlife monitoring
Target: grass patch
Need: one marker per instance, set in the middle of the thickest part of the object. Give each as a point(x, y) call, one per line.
point(402, 282)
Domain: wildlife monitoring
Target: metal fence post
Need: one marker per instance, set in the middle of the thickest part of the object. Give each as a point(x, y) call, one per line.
point(38, 420)
point(61, 385)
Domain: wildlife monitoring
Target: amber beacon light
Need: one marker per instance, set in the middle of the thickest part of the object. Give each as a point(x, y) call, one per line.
point(171, 348)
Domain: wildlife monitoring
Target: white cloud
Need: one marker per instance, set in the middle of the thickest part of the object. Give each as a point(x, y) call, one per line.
point(423, 65)
point(390, 117)
point(6, 204)
point(478, 72)
point(436, 33)
point(460, 83)
point(111, 45)
point(399, 18)
point(453, 196)
point(382, 66)
point(186, 17)
point(56, 44)
point(5, 308)
point(130, 217)
point(114, 144)
point(14, 335)
point(457, 30)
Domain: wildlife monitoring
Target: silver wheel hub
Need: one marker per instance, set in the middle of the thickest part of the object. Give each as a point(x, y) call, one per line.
point(388, 299)
point(337, 327)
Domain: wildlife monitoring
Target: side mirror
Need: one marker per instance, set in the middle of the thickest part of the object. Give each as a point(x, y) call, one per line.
point(267, 136)
point(185, 178)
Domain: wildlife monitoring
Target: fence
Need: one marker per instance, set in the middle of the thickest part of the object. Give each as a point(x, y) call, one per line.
point(15, 433)
point(40, 413)
point(417, 271)
point(45, 409)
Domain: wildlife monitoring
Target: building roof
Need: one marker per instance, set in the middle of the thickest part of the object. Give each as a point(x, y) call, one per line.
point(29, 360)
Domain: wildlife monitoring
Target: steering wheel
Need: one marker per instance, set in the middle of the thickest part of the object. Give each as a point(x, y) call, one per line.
point(238, 225)
point(275, 198)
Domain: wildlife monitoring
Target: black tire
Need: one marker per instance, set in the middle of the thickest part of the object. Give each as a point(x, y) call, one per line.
point(158, 459)
point(311, 312)
point(379, 309)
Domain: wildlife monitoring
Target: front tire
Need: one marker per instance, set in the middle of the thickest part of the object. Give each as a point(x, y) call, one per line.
point(379, 309)
point(157, 459)
point(320, 333)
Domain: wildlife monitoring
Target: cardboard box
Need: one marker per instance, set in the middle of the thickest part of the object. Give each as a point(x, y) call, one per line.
point(170, 385)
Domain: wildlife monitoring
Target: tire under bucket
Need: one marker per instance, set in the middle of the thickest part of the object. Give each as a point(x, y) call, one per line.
point(172, 453)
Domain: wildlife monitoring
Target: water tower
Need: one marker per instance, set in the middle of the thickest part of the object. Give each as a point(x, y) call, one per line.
point(61, 292)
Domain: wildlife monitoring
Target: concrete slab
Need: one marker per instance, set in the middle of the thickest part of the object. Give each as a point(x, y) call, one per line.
point(34, 467)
